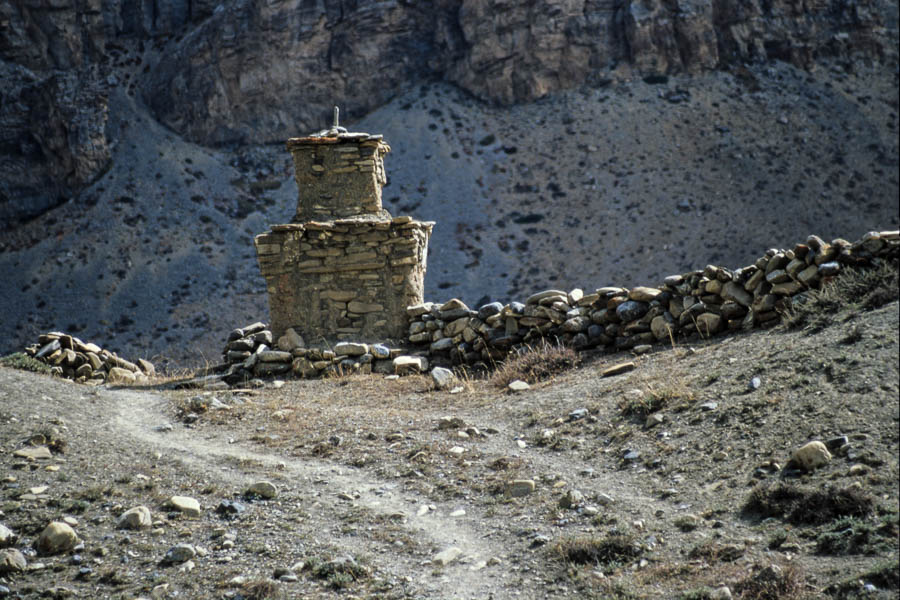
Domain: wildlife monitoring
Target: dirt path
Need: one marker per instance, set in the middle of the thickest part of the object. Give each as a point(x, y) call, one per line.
point(138, 415)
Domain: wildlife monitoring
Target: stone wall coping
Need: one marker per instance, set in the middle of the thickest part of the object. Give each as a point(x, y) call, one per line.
point(341, 138)
point(405, 222)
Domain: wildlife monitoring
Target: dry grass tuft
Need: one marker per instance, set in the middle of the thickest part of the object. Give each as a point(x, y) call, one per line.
point(800, 505)
point(611, 550)
point(772, 583)
point(261, 589)
point(535, 363)
point(853, 289)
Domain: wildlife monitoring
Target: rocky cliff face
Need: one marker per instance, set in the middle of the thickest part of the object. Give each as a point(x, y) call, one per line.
point(257, 71)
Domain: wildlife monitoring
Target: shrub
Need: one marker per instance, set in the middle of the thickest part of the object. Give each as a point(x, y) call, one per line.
point(771, 583)
point(854, 289)
point(884, 576)
point(535, 363)
point(612, 550)
point(20, 360)
point(800, 505)
point(338, 572)
point(851, 535)
point(261, 589)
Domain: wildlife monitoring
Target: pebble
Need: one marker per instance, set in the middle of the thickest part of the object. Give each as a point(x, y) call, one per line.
point(33, 453)
point(518, 386)
point(571, 500)
point(604, 499)
point(754, 384)
point(720, 593)
point(654, 419)
point(708, 406)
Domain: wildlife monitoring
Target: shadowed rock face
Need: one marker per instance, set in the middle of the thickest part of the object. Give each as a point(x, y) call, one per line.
point(253, 71)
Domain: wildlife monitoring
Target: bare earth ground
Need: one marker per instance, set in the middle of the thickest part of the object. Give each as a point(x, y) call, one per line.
point(366, 476)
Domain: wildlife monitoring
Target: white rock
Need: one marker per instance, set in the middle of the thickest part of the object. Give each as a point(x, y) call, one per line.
point(264, 489)
point(410, 364)
point(811, 456)
point(442, 378)
point(180, 553)
point(185, 504)
point(135, 518)
point(518, 386)
point(445, 557)
point(519, 487)
point(7, 537)
point(350, 349)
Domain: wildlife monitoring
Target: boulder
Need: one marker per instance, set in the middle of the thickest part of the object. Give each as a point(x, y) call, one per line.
point(56, 538)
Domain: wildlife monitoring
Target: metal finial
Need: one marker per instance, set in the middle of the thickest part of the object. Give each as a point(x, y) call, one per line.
point(337, 111)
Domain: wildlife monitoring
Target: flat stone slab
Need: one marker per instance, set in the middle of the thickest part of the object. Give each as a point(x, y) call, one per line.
point(617, 369)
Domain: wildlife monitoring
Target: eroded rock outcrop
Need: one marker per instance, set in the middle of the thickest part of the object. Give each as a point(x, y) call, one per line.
point(250, 70)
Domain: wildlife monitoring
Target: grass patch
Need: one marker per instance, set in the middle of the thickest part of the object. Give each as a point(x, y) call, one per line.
point(676, 394)
point(799, 505)
point(535, 363)
point(609, 551)
point(851, 535)
point(261, 589)
point(854, 290)
point(771, 583)
point(338, 572)
point(884, 576)
point(20, 360)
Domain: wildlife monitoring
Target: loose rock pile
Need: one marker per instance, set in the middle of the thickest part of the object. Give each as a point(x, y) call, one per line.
point(71, 358)
point(250, 353)
point(704, 303)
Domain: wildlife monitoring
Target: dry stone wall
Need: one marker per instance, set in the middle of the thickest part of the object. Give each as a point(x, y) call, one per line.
point(703, 303)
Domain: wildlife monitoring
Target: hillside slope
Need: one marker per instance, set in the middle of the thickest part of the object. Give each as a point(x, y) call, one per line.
point(385, 488)
point(617, 185)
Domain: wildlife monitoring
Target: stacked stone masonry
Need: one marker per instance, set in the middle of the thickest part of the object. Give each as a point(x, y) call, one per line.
point(338, 176)
point(703, 303)
point(343, 269)
point(344, 279)
point(253, 352)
